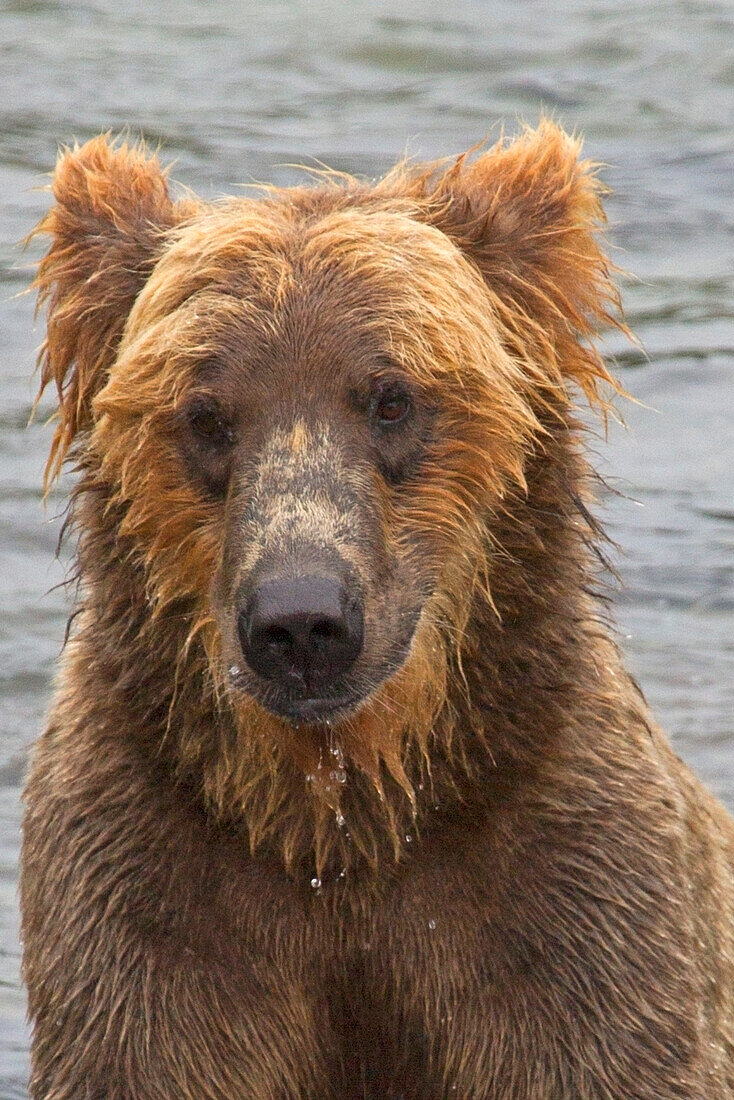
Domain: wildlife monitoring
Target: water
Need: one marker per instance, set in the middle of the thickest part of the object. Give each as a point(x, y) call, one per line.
point(239, 91)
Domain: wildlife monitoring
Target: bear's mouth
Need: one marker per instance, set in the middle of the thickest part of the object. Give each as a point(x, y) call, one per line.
point(316, 709)
point(306, 706)
point(299, 708)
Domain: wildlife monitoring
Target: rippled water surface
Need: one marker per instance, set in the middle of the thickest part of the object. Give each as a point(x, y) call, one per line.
point(240, 91)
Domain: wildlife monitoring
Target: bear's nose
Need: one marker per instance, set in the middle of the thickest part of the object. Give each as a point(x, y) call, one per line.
point(303, 632)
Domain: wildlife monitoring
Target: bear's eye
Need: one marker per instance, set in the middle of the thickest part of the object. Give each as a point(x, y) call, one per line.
point(391, 405)
point(208, 424)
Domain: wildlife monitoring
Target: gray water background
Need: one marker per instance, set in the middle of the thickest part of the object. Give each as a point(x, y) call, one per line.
point(235, 92)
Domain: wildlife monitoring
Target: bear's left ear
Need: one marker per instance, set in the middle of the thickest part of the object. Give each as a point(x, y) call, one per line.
point(106, 228)
point(528, 213)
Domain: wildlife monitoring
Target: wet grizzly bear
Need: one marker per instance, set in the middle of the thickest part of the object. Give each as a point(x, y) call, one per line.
point(345, 792)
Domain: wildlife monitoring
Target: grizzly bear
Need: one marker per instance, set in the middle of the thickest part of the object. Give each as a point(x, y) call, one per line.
point(345, 792)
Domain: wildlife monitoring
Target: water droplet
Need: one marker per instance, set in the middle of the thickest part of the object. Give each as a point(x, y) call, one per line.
point(420, 786)
point(234, 670)
point(408, 838)
point(340, 819)
point(432, 924)
point(316, 883)
point(342, 873)
point(338, 755)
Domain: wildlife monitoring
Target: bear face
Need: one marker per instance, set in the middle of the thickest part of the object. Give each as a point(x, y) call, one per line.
point(323, 430)
point(307, 424)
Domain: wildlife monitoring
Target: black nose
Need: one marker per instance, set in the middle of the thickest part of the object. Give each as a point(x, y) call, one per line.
point(302, 632)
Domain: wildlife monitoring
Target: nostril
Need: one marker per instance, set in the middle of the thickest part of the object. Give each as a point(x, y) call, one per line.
point(326, 630)
point(276, 638)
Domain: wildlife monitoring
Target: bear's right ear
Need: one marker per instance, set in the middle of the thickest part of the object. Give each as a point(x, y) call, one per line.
point(112, 209)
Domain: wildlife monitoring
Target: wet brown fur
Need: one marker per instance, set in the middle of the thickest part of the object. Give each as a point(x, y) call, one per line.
point(493, 879)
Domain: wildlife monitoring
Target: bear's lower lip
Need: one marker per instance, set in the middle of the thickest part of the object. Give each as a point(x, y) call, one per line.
point(304, 711)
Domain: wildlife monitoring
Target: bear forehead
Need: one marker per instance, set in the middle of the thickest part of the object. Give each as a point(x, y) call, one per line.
point(263, 240)
point(367, 265)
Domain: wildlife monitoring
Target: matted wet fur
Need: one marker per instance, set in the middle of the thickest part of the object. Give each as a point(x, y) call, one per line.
point(470, 866)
